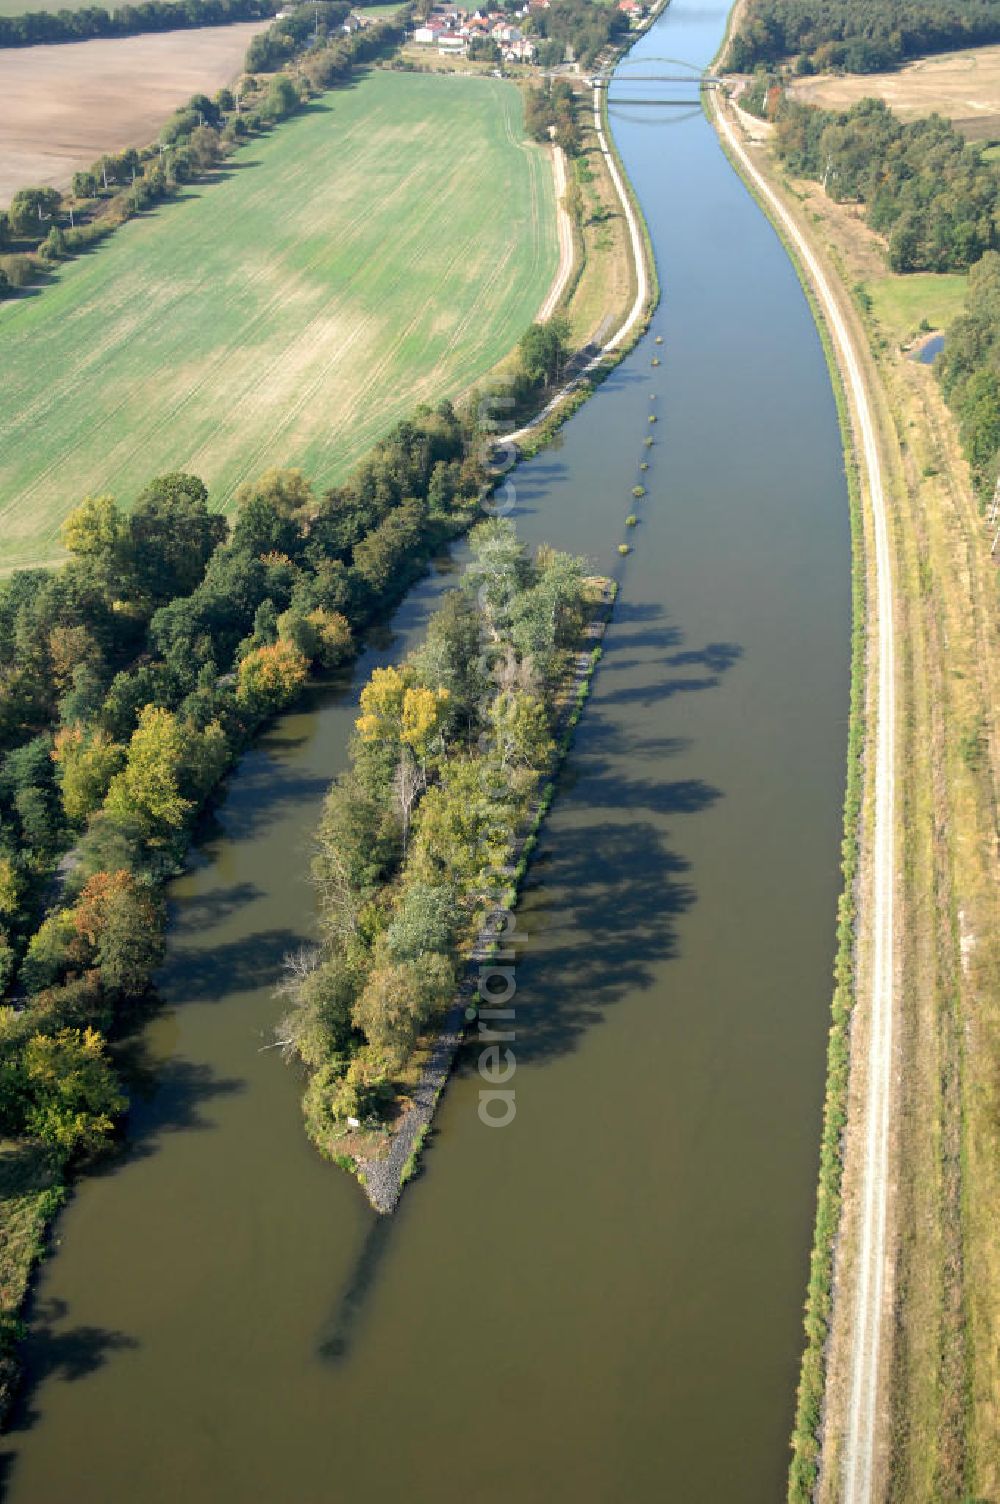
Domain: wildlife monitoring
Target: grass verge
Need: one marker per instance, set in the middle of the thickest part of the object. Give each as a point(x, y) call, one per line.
point(806, 1439)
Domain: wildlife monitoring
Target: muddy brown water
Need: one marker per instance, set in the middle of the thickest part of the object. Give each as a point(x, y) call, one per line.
point(600, 1302)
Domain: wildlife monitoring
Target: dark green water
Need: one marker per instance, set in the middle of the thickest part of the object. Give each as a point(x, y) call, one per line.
point(602, 1301)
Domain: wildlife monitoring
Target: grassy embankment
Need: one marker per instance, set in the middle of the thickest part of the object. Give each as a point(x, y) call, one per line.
point(944, 1381)
point(606, 287)
point(323, 304)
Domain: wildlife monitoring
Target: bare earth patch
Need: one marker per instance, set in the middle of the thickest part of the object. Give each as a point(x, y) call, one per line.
point(65, 105)
point(963, 86)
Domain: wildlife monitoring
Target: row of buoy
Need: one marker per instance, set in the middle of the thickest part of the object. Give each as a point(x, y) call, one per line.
point(640, 491)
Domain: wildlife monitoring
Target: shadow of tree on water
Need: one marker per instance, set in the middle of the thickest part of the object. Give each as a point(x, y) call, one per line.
point(166, 1097)
point(54, 1349)
point(604, 890)
point(338, 1336)
point(602, 905)
point(212, 973)
point(201, 911)
point(607, 886)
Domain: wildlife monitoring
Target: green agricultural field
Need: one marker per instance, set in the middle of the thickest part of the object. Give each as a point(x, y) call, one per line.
point(386, 247)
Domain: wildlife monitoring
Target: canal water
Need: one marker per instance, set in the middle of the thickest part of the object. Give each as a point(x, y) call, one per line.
point(600, 1302)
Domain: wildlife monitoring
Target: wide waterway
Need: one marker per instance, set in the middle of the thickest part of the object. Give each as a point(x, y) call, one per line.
point(601, 1302)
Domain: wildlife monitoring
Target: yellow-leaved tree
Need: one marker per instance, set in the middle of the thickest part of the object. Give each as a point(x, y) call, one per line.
point(94, 529)
point(270, 677)
point(333, 632)
point(424, 711)
point(148, 787)
point(87, 764)
point(395, 711)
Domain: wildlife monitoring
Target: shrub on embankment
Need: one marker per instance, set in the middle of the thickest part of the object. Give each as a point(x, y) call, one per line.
point(806, 1436)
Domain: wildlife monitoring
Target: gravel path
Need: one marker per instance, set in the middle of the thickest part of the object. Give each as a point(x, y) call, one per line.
point(641, 295)
point(565, 227)
point(877, 995)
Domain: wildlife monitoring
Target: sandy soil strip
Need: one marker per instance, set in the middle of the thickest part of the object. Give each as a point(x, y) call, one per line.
point(963, 86)
point(64, 105)
point(565, 226)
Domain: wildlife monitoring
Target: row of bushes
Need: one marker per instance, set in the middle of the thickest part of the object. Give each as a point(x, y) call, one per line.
point(38, 26)
point(451, 749)
point(969, 371)
point(861, 36)
point(806, 1435)
point(42, 226)
point(924, 187)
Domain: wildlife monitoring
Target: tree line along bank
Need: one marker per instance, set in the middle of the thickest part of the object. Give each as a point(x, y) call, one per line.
point(304, 54)
point(934, 200)
point(131, 679)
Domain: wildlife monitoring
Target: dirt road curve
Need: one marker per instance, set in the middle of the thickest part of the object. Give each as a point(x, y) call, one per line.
point(565, 225)
point(876, 903)
point(641, 289)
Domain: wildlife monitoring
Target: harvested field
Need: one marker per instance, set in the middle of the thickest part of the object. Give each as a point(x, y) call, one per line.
point(964, 86)
point(65, 104)
point(385, 247)
point(20, 7)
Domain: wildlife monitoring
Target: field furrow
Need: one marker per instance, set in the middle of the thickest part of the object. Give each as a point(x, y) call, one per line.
point(387, 246)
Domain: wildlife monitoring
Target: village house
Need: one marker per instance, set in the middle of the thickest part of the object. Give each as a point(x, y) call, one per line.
point(522, 51)
point(451, 31)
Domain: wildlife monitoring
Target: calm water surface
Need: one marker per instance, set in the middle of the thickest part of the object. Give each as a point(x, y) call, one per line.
point(602, 1301)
